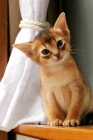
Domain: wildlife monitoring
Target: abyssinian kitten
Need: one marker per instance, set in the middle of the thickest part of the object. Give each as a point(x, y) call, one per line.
point(66, 95)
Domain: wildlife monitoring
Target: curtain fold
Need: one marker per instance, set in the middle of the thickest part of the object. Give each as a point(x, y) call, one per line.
point(20, 99)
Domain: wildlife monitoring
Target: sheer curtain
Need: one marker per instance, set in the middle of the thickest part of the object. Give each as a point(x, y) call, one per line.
point(20, 99)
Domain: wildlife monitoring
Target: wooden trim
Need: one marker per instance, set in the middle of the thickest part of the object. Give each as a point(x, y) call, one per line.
point(3, 135)
point(3, 46)
point(3, 36)
point(55, 133)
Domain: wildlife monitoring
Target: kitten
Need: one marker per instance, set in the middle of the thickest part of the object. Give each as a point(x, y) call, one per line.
point(66, 95)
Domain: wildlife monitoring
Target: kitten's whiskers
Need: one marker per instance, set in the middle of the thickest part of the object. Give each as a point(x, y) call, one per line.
point(77, 51)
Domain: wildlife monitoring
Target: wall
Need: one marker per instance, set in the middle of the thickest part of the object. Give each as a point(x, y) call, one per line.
point(80, 21)
point(14, 19)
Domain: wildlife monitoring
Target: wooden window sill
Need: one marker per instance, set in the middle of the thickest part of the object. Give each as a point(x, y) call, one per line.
point(55, 133)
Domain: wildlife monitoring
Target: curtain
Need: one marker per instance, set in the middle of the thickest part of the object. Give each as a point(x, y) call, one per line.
point(20, 98)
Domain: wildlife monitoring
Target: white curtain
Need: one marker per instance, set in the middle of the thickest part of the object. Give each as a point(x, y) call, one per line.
point(20, 98)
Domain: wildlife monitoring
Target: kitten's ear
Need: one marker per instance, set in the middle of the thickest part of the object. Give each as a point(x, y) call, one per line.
point(62, 24)
point(25, 48)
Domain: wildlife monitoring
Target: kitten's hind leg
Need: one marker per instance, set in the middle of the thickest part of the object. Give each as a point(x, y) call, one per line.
point(88, 120)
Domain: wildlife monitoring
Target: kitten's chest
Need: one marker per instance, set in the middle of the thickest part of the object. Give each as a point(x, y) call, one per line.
point(61, 94)
point(56, 79)
point(57, 83)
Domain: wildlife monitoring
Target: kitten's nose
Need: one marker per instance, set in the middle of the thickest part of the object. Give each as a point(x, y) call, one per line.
point(57, 55)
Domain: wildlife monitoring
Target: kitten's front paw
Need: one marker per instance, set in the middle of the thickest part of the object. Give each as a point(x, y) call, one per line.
point(55, 122)
point(70, 123)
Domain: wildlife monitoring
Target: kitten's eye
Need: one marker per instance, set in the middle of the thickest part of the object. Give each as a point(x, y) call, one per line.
point(45, 51)
point(59, 43)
